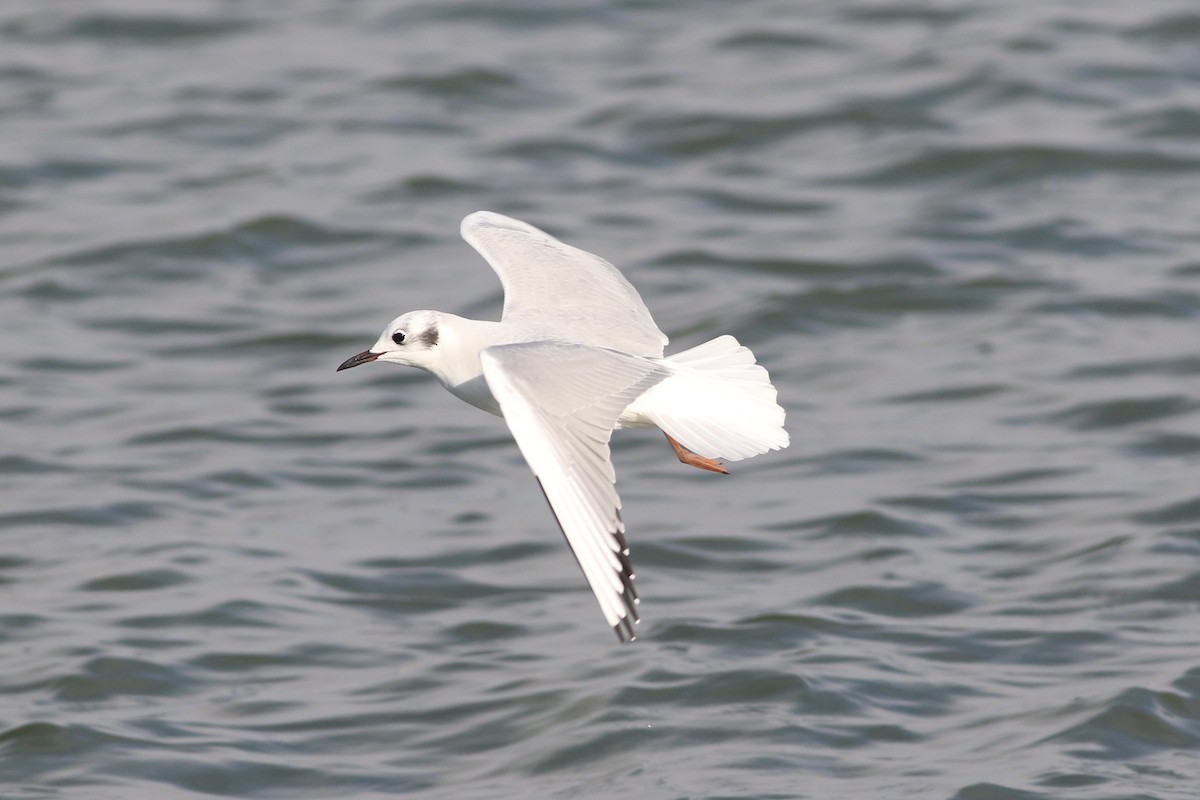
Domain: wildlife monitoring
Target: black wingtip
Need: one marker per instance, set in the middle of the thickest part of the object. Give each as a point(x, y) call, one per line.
point(629, 597)
point(624, 630)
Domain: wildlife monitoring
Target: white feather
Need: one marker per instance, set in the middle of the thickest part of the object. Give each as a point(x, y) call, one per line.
point(554, 286)
point(718, 403)
point(561, 402)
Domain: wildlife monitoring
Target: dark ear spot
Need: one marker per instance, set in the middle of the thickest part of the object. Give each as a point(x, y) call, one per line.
point(429, 336)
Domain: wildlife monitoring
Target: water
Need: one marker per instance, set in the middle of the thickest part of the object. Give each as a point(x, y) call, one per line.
point(962, 236)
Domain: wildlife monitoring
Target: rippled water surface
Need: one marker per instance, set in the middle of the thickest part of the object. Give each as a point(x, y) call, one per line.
point(963, 236)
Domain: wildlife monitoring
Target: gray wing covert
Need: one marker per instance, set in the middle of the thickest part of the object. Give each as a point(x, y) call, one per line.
point(554, 284)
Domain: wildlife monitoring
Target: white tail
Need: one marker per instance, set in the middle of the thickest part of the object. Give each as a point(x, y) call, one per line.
point(719, 403)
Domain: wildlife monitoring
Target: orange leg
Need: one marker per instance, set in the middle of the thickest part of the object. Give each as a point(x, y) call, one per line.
point(688, 457)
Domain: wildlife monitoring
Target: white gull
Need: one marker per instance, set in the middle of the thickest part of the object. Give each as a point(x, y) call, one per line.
point(575, 356)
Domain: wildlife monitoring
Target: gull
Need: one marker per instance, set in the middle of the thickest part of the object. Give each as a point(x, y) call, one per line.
point(575, 356)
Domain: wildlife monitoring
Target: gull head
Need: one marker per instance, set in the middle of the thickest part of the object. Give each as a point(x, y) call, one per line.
point(410, 339)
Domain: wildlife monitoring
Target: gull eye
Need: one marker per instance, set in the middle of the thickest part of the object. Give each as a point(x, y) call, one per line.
point(398, 337)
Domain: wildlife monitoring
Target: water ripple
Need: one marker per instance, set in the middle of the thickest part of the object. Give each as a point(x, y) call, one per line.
point(960, 238)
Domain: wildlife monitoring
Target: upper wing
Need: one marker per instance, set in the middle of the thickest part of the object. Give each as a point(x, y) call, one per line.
point(553, 284)
point(561, 402)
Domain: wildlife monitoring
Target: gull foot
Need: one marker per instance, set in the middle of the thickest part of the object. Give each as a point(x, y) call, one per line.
point(688, 457)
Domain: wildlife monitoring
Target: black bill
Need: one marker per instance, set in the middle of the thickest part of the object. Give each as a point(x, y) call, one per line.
point(365, 357)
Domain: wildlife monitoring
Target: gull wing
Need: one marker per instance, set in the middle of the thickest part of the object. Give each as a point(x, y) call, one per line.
point(561, 402)
point(580, 296)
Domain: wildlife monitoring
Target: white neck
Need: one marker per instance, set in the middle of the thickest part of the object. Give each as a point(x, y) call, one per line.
point(457, 367)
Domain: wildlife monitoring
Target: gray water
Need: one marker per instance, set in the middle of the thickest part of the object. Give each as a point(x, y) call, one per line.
point(963, 236)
